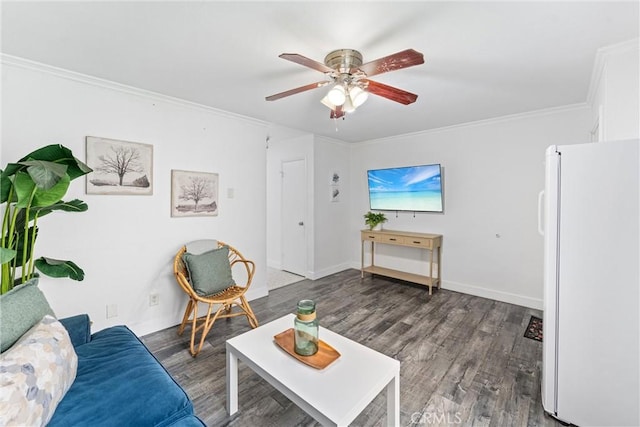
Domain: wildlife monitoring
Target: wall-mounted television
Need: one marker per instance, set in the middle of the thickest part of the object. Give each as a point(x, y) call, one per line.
point(410, 188)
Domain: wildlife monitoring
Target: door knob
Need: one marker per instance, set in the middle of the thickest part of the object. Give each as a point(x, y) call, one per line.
point(301, 223)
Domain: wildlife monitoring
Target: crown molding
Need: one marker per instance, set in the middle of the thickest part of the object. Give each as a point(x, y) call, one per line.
point(602, 57)
point(18, 62)
point(330, 140)
point(485, 122)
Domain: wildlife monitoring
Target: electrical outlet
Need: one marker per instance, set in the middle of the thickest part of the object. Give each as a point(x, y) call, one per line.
point(154, 299)
point(112, 310)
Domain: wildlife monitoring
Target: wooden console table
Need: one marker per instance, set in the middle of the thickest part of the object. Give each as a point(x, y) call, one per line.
point(431, 242)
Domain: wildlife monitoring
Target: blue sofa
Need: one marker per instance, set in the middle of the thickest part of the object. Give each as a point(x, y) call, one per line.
point(105, 379)
point(119, 383)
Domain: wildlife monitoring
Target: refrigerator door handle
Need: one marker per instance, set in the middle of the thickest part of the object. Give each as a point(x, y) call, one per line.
point(540, 199)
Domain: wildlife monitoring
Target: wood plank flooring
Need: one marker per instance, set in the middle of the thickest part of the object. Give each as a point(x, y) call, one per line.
point(464, 359)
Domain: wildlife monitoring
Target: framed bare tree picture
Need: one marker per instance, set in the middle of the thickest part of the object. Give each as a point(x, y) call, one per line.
point(194, 193)
point(119, 167)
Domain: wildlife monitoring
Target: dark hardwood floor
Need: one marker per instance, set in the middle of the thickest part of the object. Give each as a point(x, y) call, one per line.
point(464, 359)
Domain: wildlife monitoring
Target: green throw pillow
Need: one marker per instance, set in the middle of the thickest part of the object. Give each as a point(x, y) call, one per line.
point(210, 272)
point(20, 309)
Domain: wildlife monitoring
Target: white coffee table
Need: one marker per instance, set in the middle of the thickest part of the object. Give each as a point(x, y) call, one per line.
point(334, 396)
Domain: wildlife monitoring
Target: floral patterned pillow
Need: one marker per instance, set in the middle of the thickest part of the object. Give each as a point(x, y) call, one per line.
point(35, 374)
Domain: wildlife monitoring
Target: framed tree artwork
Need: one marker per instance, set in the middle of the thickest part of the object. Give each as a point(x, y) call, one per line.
point(194, 193)
point(119, 167)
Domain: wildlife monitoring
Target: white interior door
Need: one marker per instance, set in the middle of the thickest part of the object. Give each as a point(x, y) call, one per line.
point(294, 202)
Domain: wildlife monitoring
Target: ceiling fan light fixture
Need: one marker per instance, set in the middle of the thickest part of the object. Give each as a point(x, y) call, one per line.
point(328, 103)
point(348, 106)
point(358, 96)
point(349, 78)
point(337, 95)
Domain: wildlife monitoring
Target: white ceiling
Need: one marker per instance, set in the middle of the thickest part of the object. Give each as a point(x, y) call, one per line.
point(482, 59)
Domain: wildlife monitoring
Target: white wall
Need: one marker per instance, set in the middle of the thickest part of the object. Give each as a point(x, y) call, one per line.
point(331, 218)
point(492, 173)
point(327, 222)
point(614, 94)
point(126, 244)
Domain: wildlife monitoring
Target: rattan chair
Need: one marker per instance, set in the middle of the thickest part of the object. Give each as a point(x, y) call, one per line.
point(224, 300)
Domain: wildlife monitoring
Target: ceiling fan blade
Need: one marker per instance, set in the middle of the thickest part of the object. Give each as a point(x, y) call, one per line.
point(390, 92)
point(404, 59)
point(296, 90)
point(337, 113)
point(303, 60)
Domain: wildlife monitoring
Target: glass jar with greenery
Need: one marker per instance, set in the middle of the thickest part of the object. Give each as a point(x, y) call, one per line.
point(306, 328)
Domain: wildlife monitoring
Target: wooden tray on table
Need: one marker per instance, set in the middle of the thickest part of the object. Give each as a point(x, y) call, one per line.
point(323, 358)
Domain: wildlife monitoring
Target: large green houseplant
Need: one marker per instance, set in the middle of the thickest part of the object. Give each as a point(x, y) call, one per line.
point(30, 189)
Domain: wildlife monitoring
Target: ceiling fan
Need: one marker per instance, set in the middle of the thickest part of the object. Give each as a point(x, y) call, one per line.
point(350, 78)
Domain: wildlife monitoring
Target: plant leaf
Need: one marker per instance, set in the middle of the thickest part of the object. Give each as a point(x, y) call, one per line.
point(52, 195)
point(45, 174)
point(12, 169)
point(19, 243)
point(59, 154)
point(54, 153)
point(20, 219)
point(74, 205)
point(24, 186)
point(5, 187)
point(59, 268)
point(6, 255)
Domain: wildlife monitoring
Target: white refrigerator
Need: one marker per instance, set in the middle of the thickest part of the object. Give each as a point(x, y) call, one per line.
point(591, 325)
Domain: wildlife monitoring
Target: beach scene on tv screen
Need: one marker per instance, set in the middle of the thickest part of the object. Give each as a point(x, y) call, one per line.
point(416, 188)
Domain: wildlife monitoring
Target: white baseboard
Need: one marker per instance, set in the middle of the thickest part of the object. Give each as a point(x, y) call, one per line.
point(159, 323)
point(315, 275)
point(274, 264)
point(153, 325)
point(493, 294)
point(255, 293)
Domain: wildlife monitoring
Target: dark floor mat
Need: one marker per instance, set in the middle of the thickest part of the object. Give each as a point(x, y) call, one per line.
point(534, 330)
